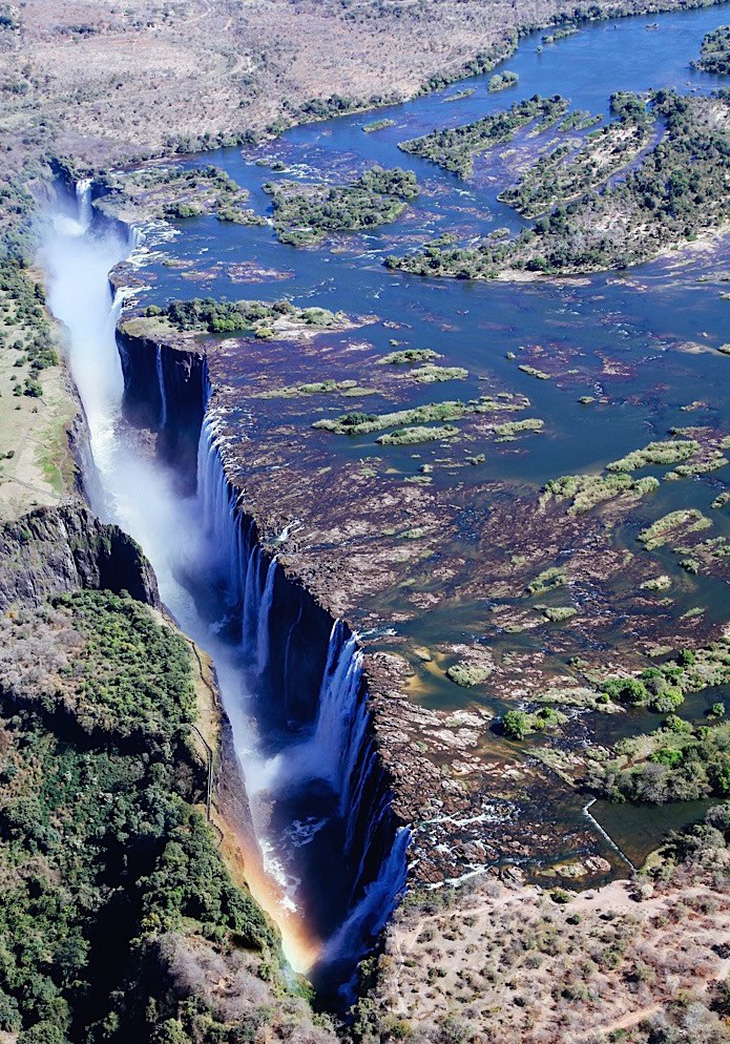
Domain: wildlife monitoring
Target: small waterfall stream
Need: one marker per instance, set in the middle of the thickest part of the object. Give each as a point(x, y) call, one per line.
point(83, 198)
point(262, 638)
point(161, 384)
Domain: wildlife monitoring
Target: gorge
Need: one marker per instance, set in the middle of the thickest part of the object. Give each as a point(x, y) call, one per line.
point(459, 551)
point(290, 675)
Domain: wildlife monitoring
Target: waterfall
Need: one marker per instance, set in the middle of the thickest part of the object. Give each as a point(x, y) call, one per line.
point(221, 521)
point(251, 596)
point(376, 816)
point(83, 199)
point(211, 564)
point(360, 929)
point(341, 717)
point(163, 393)
point(290, 635)
point(262, 638)
point(339, 748)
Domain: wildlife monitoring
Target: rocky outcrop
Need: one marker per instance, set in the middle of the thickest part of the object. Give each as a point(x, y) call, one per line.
point(52, 550)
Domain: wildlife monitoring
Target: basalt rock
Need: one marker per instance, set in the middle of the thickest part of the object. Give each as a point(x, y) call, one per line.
point(53, 550)
point(165, 392)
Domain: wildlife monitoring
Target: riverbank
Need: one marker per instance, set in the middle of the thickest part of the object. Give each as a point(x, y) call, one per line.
point(41, 419)
point(209, 75)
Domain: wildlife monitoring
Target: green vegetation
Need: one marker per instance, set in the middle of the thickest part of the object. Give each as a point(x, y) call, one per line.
point(366, 423)
point(466, 93)
point(467, 675)
point(587, 491)
point(409, 355)
point(653, 689)
point(455, 148)
point(131, 677)
point(325, 108)
point(391, 182)
point(564, 173)
point(510, 429)
point(715, 52)
point(377, 125)
point(657, 583)
point(711, 462)
point(293, 391)
point(427, 372)
point(656, 453)
point(504, 402)
point(500, 81)
point(235, 316)
point(548, 580)
point(411, 436)
point(673, 525)
point(437, 374)
point(679, 762)
point(517, 724)
point(531, 371)
point(558, 613)
point(175, 192)
point(115, 896)
point(579, 119)
point(560, 34)
point(664, 201)
point(23, 318)
point(663, 688)
point(304, 214)
point(358, 423)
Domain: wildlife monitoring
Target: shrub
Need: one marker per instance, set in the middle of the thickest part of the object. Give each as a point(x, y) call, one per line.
point(626, 690)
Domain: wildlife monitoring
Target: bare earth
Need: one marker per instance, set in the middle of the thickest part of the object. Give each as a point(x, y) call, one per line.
point(102, 82)
point(504, 963)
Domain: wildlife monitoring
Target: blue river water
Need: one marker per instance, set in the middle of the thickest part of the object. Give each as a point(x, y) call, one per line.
point(642, 341)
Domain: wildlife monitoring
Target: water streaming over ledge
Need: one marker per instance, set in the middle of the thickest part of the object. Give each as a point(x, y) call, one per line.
point(333, 852)
point(333, 751)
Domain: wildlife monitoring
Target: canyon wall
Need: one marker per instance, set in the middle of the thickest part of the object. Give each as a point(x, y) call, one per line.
point(53, 550)
point(311, 695)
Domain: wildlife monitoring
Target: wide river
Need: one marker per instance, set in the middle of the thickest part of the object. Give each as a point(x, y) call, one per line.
point(660, 324)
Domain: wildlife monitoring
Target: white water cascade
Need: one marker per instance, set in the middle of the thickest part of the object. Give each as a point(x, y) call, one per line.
point(340, 748)
point(262, 637)
point(369, 916)
point(83, 198)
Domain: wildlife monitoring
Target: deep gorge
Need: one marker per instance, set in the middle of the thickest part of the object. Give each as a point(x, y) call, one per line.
point(291, 676)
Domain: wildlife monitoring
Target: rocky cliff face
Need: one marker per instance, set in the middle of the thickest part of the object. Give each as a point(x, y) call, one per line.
point(272, 485)
point(165, 392)
point(52, 550)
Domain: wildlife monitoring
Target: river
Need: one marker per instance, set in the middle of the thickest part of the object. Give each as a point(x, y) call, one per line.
point(658, 324)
